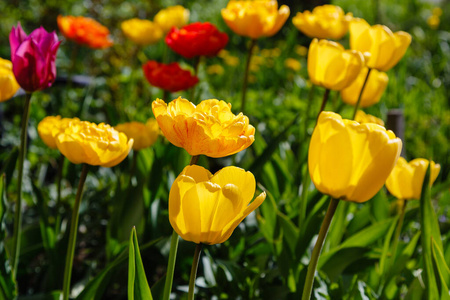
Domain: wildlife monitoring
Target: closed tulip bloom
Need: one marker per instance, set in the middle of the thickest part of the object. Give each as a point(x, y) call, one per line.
point(361, 117)
point(143, 135)
point(385, 48)
point(33, 57)
point(172, 16)
point(351, 161)
point(169, 77)
point(196, 39)
point(406, 179)
point(85, 31)
point(142, 32)
point(331, 66)
point(256, 18)
point(8, 83)
point(92, 144)
point(324, 22)
point(206, 208)
point(50, 127)
point(374, 89)
point(210, 128)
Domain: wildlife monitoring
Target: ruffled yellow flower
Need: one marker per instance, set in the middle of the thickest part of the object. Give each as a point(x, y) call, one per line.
point(210, 128)
point(373, 90)
point(351, 161)
point(324, 22)
point(361, 117)
point(406, 179)
point(51, 126)
point(142, 32)
point(385, 48)
point(256, 18)
point(172, 16)
point(8, 83)
point(144, 135)
point(206, 208)
point(331, 66)
point(89, 143)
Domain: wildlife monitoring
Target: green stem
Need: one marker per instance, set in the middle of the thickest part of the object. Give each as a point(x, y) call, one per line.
point(324, 103)
point(171, 265)
point(194, 160)
point(18, 206)
point(73, 233)
point(166, 95)
point(318, 248)
point(192, 91)
point(58, 193)
point(398, 230)
point(247, 68)
point(308, 108)
point(198, 250)
point(133, 167)
point(360, 94)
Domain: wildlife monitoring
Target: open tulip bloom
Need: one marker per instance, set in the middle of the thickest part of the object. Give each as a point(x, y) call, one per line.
point(8, 83)
point(172, 16)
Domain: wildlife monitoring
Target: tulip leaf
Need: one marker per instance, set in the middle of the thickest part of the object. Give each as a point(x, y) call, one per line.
point(430, 231)
point(290, 231)
point(442, 269)
point(341, 259)
point(138, 287)
point(9, 164)
point(7, 286)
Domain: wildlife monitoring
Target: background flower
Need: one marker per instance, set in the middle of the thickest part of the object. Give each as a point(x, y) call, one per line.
point(33, 57)
point(331, 66)
point(209, 128)
point(169, 77)
point(206, 208)
point(8, 83)
point(49, 128)
point(406, 179)
point(324, 22)
point(351, 161)
point(361, 117)
point(196, 39)
point(172, 16)
point(142, 32)
point(92, 144)
point(385, 48)
point(143, 135)
point(85, 31)
point(255, 19)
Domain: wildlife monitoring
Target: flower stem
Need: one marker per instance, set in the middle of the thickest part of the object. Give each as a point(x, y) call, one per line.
point(166, 95)
point(171, 265)
point(196, 66)
point(198, 250)
point(58, 193)
point(360, 93)
point(73, 233)
point(194, 160)
point(307, 289)
point(247, 68)
point(18, 206)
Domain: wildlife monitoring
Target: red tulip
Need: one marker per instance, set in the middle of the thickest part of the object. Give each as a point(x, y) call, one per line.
point(196, 39)
point(168, 77)
point(33, 57)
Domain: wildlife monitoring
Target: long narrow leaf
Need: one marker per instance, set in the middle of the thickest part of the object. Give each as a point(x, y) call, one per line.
point(138, 287)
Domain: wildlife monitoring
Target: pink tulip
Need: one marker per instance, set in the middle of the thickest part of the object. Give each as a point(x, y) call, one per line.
point(33, 57)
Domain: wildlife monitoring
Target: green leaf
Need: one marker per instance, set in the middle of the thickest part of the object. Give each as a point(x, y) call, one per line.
point(430, 230)
point(290, 231)
point(138, 287)
point(442, 269)
point(7, 286)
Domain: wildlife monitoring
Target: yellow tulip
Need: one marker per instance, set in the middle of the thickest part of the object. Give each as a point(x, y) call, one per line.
point(172, 16)
point(256, 18)
point(406, 179)
point(142, 32)
point(324, 22)
point(373, 90)
point(433, 21)
point(8, 83)
point(215, 69)
point(210, 128)
point(361, 117)
point(143, 135)
point(351, 161)
point(89, 143)
point(293, 64)
point(51, 126)
point(385, 48)
point(206, 208)
point(331, 66)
